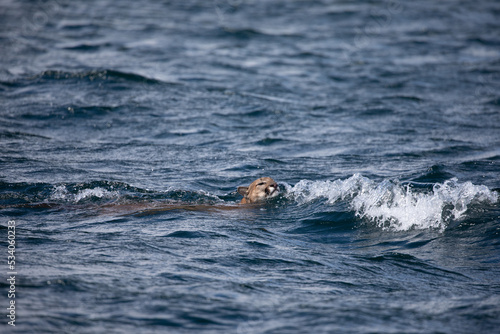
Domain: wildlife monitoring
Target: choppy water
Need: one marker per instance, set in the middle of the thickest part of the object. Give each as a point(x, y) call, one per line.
point(380, 120)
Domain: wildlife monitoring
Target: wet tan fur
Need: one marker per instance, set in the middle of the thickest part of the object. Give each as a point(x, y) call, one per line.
point(259, 190)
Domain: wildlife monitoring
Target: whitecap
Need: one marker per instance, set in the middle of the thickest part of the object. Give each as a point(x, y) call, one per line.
point(391, 205)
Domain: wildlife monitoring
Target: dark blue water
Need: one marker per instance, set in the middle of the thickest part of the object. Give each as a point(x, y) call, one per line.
point(380, 120)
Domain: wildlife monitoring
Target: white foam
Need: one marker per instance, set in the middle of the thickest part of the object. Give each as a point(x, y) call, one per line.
point(391, 205)
point(95, 192)
point(61, 193)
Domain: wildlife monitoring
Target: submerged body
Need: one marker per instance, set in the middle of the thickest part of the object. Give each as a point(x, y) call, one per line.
point(257, 192)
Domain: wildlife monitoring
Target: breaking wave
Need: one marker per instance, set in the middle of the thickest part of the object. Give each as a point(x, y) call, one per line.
point(392, 205)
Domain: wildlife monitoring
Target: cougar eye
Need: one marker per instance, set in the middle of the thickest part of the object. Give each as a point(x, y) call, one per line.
point(261, 184)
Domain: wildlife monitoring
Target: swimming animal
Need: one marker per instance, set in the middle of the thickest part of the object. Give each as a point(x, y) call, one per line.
point(257, 192)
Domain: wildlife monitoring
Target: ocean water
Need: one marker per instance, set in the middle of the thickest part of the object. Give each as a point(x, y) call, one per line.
point(380, 121)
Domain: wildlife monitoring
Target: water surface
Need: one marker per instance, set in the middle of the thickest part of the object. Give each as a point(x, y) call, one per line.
point(380, 121)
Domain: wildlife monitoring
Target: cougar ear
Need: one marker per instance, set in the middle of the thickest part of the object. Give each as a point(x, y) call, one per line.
point(243, 191)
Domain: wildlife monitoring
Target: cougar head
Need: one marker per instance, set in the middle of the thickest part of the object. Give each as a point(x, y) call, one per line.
point(259, 190)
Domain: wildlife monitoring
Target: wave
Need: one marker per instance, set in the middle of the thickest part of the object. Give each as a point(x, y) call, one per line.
point(95, 75)
point(396, 206)
point(390, 205)
point(95, 192)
